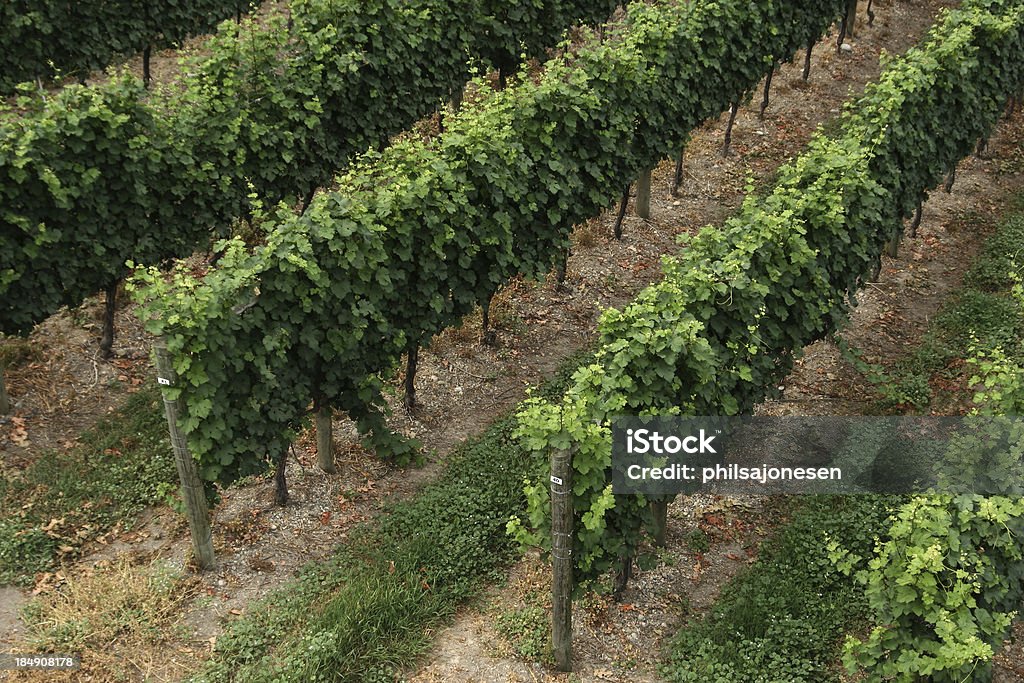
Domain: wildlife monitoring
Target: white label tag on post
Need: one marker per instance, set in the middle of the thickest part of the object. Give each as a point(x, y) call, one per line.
point(556, 480)
point(165, 382)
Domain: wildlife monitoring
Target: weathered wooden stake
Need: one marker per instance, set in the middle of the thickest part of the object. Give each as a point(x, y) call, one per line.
point(643, 195)
point(950, 180)
point(622, 213)
point(562, 532)
point(767, 90)
point(410, 377)
point(455, 96)
point(871, 14)
point(678, 180)
point(807, 60)
point(659, 508)
point(733, 110)
point(325, 439)
point(851, 18)
point(107, 340)
point(916, 223)
point(892, 247)
point(5, 400)
point(192, 494)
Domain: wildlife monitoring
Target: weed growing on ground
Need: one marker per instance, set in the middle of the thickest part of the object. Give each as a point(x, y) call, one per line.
point(66, 498)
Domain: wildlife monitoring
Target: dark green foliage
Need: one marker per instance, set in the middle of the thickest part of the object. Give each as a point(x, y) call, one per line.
point(46, 38)
point(93, 177)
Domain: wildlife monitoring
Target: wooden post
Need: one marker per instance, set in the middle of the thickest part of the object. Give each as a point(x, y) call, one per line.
point(643, 195)
point(659, 508)
point(871, 13)
point(280, 480)
point(325, 439)
point(410, 377)
point(562, 561)
point(5, 400)
point(457, 95)
point(110, 308)
point(807, 60)
point(487, 335)
point(192, 494)
point(981, 148)
point(146, 77)
point(562, 268)
point(950, 180)
point(892, 247)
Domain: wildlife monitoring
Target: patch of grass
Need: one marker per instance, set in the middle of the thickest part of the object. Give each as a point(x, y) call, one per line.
point(1002, 254)
point(526, 630)
point(134, 606)
point(67, 498)
point(15, 351)
point(982, 315)
point(370, 609)
point(521, 615)
point(783, 619)
point(698, 541)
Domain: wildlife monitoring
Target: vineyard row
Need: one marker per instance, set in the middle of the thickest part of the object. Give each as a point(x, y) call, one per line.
point(413, 239)
point(95, 176)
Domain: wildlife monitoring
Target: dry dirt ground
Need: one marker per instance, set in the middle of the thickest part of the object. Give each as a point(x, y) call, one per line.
point(62, 387)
